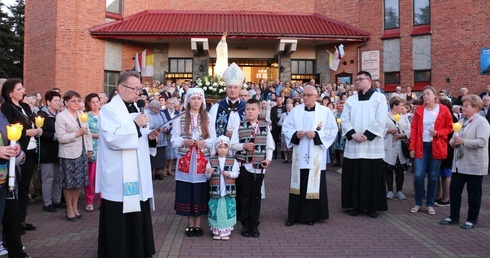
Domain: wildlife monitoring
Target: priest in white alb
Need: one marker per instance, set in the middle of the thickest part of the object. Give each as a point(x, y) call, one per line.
point(124, 174)
point(309, 129)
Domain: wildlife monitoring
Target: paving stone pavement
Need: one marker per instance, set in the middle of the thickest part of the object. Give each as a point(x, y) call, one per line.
point(395, 233)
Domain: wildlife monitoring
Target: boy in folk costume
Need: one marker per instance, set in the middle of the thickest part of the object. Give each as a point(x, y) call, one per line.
point(222, 170)
point(254, 145)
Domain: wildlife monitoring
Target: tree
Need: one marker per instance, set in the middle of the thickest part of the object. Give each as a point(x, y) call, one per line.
point(12, 40)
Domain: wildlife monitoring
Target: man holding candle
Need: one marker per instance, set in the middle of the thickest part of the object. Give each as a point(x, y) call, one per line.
point(309, 129)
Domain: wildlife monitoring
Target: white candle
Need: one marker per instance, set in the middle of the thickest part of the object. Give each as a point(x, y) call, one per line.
point(12, 169)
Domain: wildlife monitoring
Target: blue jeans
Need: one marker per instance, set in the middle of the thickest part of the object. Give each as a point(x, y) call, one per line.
point(430, 166)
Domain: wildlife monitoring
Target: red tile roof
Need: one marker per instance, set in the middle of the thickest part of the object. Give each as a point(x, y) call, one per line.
point(264, 25)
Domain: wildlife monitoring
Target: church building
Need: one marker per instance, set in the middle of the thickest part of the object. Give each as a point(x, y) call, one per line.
point(85, 45)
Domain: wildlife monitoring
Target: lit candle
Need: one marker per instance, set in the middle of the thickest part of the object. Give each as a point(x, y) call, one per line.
point(84, 117)
point(339, 120)
point(457, 128)
point(14, 132)
point(39, 121)
point(396, 117)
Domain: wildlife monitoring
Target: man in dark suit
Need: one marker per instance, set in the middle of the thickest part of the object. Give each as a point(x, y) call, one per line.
point(486, 92)
point(276, 113)
point(378, 88)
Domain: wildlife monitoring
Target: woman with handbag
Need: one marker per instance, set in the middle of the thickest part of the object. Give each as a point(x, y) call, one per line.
point(395, 160)
point(193, 134)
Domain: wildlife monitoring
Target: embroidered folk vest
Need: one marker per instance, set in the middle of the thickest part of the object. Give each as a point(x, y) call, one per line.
point(223, 115)
point(246, 133)
point(182, 150)
point(214, 182)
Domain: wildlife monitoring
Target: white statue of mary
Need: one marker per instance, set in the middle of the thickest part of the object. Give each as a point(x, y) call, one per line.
point(221, 56)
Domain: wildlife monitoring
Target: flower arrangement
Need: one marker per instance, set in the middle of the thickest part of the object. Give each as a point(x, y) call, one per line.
point(214, 86)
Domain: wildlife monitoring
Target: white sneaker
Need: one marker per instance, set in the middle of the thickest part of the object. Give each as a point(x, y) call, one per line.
point(390, 195)
point(400, 195)
point(3, 251)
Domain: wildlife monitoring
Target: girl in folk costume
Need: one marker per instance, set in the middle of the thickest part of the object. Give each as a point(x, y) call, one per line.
point(193, 135)
point(222, 170)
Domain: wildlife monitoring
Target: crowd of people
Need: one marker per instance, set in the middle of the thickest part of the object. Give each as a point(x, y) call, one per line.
point(115, 147)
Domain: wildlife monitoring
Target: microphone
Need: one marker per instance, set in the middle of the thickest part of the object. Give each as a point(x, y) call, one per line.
point(141, 104)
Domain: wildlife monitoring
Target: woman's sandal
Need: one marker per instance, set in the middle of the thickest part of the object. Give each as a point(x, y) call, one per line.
point(467, 225)
point(215, 237)
point(415, 209)
point(225, 238)
point(448, 221)
point(431, 210)
point(189, 231)
point(89, 208)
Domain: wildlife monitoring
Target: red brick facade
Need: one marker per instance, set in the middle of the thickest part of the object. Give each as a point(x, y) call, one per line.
point(458, 31)
point(59, 50)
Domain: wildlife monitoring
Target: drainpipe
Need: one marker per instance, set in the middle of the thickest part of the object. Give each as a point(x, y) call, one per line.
point(359, 53)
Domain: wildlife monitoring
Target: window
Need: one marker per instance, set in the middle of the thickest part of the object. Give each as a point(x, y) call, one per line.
point(113, 6)
point(110, 81)
point(302, 67)
point(180, 65)
point(392, 78)
point(421, 12)
point(422, 76)
point(392, 14)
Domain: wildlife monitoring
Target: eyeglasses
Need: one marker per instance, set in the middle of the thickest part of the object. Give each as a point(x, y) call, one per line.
point(244, 95)
point(309, 95)
point(467, 106)
point(75, 101)
point(360, 79)
point(134, 89)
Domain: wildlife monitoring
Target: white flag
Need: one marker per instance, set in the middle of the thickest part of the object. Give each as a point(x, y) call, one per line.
point(341, 51)
point(137, 64)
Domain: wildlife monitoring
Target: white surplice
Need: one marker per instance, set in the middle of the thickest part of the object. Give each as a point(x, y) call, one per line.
point(307, 155)
point(123, 157)
point(361, 116)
